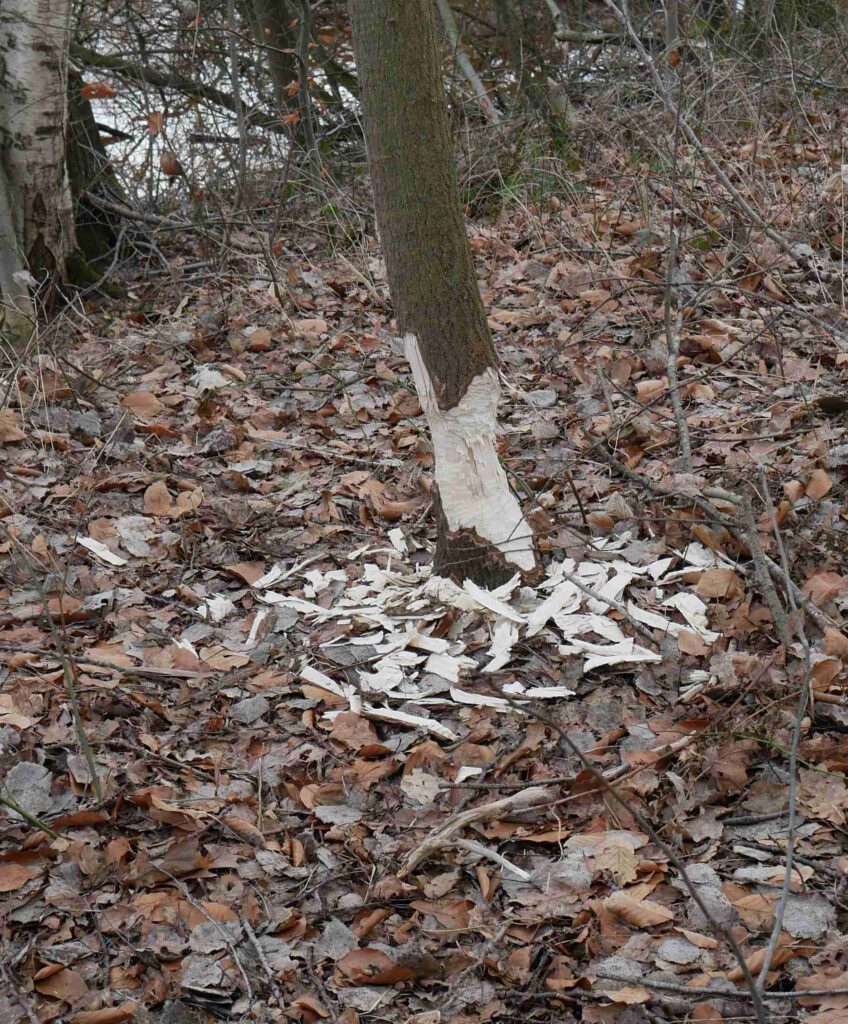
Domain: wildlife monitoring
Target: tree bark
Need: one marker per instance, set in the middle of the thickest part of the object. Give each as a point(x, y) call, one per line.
point(465, 65)
point(92, 177)
point(482, 534)
point(550, 104)
point(36, 208)
point(274, 22)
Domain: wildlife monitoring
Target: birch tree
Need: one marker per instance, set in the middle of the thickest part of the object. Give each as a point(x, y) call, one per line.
point(482, 533)
point(36, 207)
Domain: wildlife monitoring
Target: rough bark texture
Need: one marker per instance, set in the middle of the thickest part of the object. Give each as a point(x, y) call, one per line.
point(91, 174)
point(428, 261)
point(434, 286)
point(274, 24)
point(548, 100)
point(38, 225)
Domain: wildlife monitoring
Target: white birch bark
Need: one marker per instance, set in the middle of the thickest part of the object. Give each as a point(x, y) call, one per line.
point(36, 209)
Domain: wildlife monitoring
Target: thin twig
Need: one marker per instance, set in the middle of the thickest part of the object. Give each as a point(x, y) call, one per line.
point(225, 935)
point(483, 851)
point(13, 805)
point(263, 959)
point(443, 836)
point(610, 789)
point(780, 909)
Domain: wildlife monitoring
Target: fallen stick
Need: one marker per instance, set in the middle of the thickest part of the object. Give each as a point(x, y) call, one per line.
point(443, 836)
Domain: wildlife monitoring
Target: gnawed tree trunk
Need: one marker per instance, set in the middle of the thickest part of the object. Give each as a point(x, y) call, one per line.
point(36, 209)
point(482, 533)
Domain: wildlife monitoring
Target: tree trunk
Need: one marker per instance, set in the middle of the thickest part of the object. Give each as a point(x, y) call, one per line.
point(274, 21)
point(482, 534)
point(548, 99)
point(465, 65)
point(36, 209)
point(91, 177)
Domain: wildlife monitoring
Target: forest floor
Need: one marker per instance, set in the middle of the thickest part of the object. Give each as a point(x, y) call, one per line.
point(331, 787)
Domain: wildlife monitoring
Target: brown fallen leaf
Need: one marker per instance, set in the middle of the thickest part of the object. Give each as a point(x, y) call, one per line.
point(10, 432)
point(353, 731)
point(640, 913)
point(701, 941)
point(143, 403)
point(618, 857)
point(629, 995)
point(718, 584)
point(15, 876)
point(307, 1009)
point(372, 967)
point(826, 978)
point(787, 948)
point(64, 984)
point(107, 1015)
point(818, 485)
point(157, 500)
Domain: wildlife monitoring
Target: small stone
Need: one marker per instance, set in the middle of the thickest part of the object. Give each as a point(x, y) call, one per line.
point(542, 398)
point(336, 941)
point(808, 917)
point(718, 906)
point(85, 423)
point(620, 968)
point(678, 950)
point(29, 784)
point(250, 710)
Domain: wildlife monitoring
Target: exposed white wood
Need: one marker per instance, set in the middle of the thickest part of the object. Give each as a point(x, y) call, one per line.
point(473, 487)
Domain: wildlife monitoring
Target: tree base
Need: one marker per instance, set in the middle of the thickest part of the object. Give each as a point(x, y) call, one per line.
point(465, 555)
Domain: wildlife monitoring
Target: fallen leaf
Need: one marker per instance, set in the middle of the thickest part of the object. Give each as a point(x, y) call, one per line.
point(15, 876)
point(818, 485)
point(641, 913)
point(157, 500)
point(108, 1015)
point(619, 858)
point(629, 995)
point(719, 584)
point(64, 984)
point(10, 432)
point(143, 403)
point(372, 967)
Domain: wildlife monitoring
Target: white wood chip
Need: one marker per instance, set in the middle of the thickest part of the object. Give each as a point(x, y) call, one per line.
point(504, 636)
point(415, 721)
point(448, 666)
point(398, 541)
point(479, 700)
point(100, 551)
point(547, 692)
point(313, 676)
point(623, 653)
point(563, 595)
point(652, 619)
point(693, 609)
point(589, 622)
point(487, 599)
